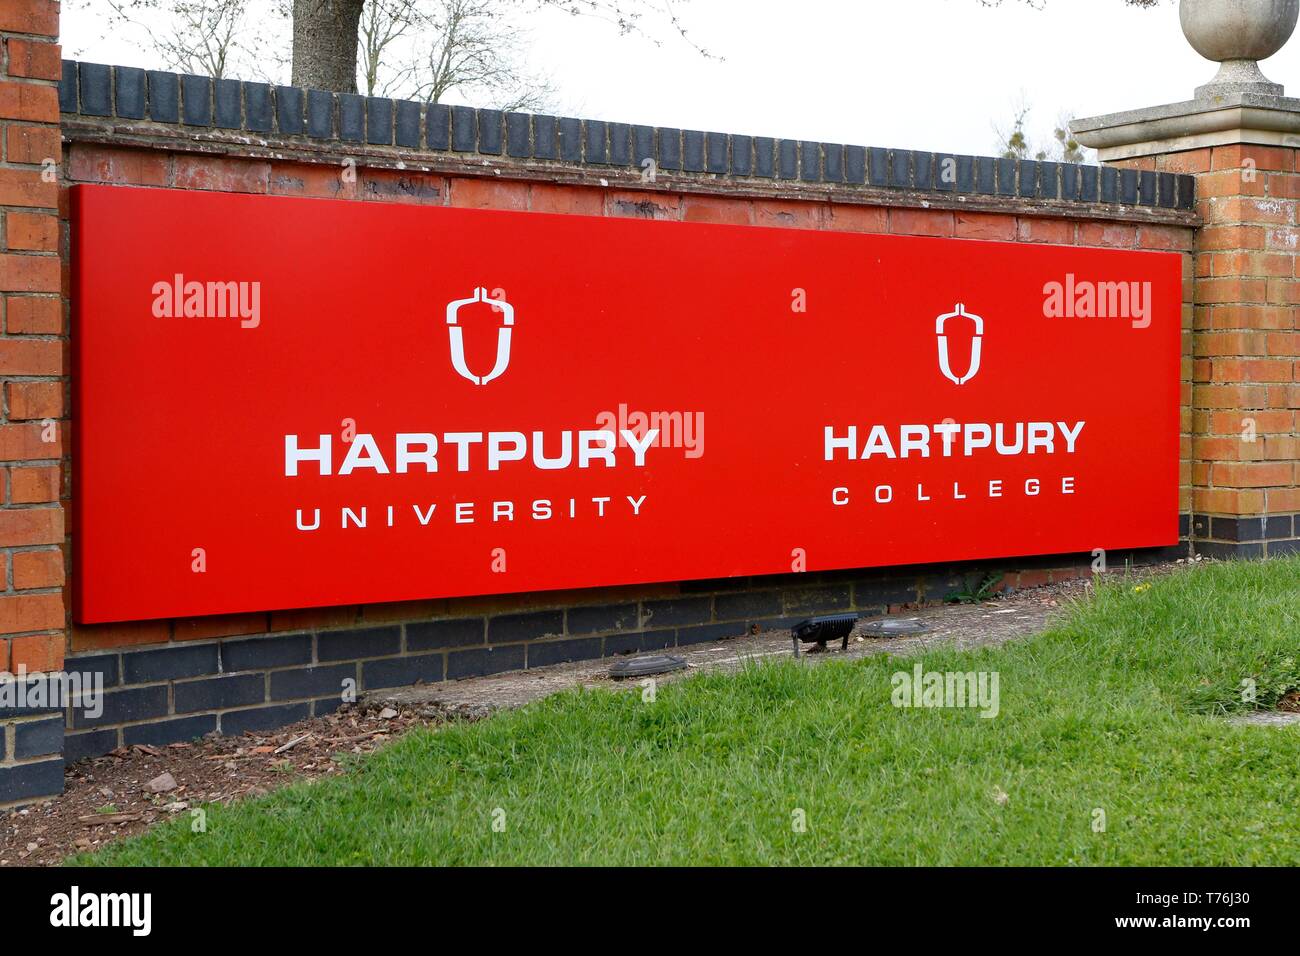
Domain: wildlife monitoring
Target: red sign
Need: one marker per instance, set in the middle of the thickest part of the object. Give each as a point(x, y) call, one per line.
point(292, 403)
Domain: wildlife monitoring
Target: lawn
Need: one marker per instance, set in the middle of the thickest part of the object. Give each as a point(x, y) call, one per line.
point(1112, 711)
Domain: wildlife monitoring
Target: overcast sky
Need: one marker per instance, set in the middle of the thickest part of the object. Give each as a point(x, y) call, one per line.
point(923, 74)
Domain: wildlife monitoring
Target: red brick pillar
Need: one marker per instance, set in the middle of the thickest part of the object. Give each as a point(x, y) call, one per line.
point(1246, 348)
point(32, 349)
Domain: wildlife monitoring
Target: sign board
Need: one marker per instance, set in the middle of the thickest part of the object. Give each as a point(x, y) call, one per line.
point(288, 403)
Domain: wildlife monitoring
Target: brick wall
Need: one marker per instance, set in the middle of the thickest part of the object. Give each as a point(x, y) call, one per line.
point(32, 356)
point(176, 679)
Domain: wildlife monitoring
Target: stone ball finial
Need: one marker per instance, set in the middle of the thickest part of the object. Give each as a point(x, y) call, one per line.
point(1237, 33)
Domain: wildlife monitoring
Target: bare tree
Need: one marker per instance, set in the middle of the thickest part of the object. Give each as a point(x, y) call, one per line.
point(328, 34)
point(206, 37)
point(467, 46)
point(423, 49)
point(1014, 142)
point(383, 24)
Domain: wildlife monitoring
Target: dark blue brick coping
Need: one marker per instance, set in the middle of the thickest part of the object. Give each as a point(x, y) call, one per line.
point(193, 103)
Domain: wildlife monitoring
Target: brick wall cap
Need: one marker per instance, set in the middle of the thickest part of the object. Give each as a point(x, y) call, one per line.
point(486, 142)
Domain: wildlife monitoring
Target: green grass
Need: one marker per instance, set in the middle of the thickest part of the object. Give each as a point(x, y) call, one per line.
point(1103, 712)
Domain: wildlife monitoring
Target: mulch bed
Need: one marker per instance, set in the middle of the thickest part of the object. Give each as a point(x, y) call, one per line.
point(108, 798)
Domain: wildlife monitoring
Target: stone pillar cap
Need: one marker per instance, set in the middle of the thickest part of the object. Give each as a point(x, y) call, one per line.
point(1217, 120)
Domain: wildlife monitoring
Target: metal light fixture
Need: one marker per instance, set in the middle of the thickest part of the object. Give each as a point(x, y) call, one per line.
point(819, 630)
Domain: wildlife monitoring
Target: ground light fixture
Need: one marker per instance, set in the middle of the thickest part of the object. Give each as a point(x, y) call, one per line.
point(819, 630)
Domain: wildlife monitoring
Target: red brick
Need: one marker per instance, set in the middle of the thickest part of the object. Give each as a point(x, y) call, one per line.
point(1253, 474)
point(1231, 448)
point(20, 527)
point(1235, 315)
point(30, 273)
point(1210, 238)
point(1281, 447)
point(25, 187)
point(1251, 370)
point(313, 618)
point(31, 612)
point(94, 637)
point(1110, 235)
point(717, 210)
point(1279, 185)
point(1234, 423)
point(1056, 232)
point(39, 652)
point(846, 218)
point(32, 144)
point(220, 625)
point(34, 315)
point(790, 215)
point(1164, 237)
point(921, 222)
point(28, 101)
point(1250, 209)
point(489, 194)
point(32, 232)
point(1192, 161)
point(1231, 396)
point(1240, 263)
point(30, 16)
point(1283, 500)
point(121, 165)
point(38, 569)
point(1283, 343)
point(1227, 501)
point(34, 400)
point(1244, 155)
point(1231, 289)
point(36, 59)
point(30, 357)
point(643, 204)
point(1231, 343)
point(404, 186)
point(26, 442)
point(1230, 182)
point(315, 180)
point(1284, 239)
point(220, 174)
point(34, 485)
point(1283, 396)
point(985, 225)
point(1283, 292)
point(569, 200)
